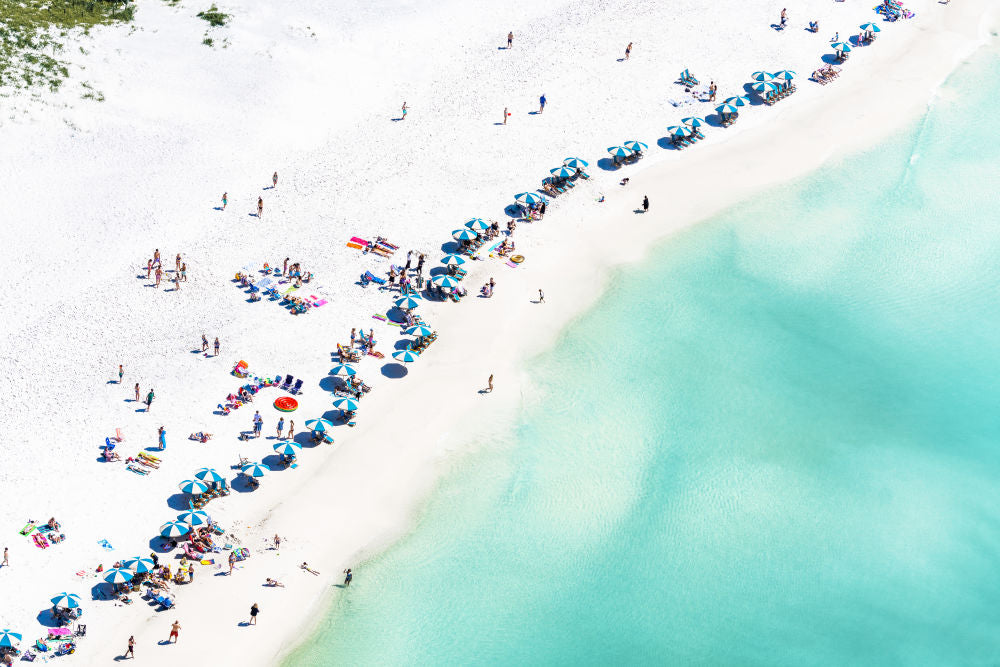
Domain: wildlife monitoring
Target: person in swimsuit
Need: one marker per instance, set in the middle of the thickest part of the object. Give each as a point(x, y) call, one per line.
point(541, 103)
point(260, 207)
point(254, 610)
point(149, 268)
point(136, 392)
point(274, 180)
point(225, 200)
point(216, 346)
point(156, 257)
point(159, 275)
point(130, 651)
point(347, 579)
point(121, 373)
point(174, 629)
point(204, 343)
point(404, 111)
point(628, 50)
point(510, 39)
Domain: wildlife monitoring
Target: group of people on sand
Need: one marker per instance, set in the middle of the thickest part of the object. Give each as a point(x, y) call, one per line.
point(260, 199)
point(154, 268)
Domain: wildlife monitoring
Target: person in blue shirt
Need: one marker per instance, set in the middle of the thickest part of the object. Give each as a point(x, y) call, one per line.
point(541, 103)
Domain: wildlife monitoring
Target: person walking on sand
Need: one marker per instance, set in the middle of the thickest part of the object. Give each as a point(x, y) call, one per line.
point(712, 89)
point(489, 387)
point(177, 281)
point(645, 203)
point(291, 429)
point(149, 399)
point(204, 343)
point(136, 392)
point(232, 561)
point(6, 559)
point(505, 114)
point(347, 579)
point(216, 346)
point(177, 263)
point(628, 50)
point(284, 270)
point(156, 257)
point(274, 181)
point(159, 275)
point(404, 111)
point(541, 103)
point(149, 268)
point(784, 17)
point(225, 200)
point(121, 373)
point(130, 651)
point(277, 542)
point(281, 427)
point(260, 207)
point(510, 39)
point(174, 629)
point(541, 296)
point(254, 610)
point(162, 433)
point(184, 272)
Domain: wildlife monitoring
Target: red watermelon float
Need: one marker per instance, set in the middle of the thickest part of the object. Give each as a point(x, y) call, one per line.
point(286, 404)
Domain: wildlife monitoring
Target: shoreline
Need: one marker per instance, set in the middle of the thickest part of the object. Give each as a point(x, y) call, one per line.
point(390, 477)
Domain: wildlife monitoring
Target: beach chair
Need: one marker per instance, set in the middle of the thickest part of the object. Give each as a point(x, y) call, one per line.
point(287, 383)
point(686, 79)
point(297, 389)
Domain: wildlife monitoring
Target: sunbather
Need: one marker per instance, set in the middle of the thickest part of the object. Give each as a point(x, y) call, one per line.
point(274, 582)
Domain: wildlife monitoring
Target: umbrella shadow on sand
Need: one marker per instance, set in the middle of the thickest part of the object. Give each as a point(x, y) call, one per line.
point(394, 371)
point(178, 502)
point(607, 164)
point(47, 619)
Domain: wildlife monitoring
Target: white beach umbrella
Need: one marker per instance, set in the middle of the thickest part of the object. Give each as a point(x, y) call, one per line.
point(764, 86)
point(738, 101)
point(342, 369)
point(785, 75)
point(255, 469)
point(619, 151)
point(464, 235)
point(453, 260)
point(636, 146)
point(679, 131)
point(174, 529)
point(66, 600)
point(194, 518)
point(477, 224)
point(118, 575)
point(419, 330)
point(287, 449)
point(562, 172)
point(693, 121)
point(139, 565)
point(408, 302)
point(727, 108)
point(841, 46)
point(529, 198)
point(319, 424)
point(209, 475)
point(444, 281)
point(406, 356)
point(345, 404)
point(761, 76)
point(870, 27)
point(193, 486)
point(575, 163)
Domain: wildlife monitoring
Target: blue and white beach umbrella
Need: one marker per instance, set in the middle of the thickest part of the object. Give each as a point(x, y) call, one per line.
point(193, 486)
point(870, 27)
point(174, 529)
point(139, 565)
point(575, 163)
point(209, 475)
point(8, 638)
point(453, 260)
point(761, 76)
point(255, 469)
point(679, 131)
point(406, 356)
point(841, 46)
point(66, 600)
point(764, 86)
point(477, 224)
point(444, 281)
point(342, 369)
point(287, 449)
point(636, 146)
point(419, 330)
point(408, 302)
point(118, 575)
point(463, 235)
point(345, 404)
point(194, 518)
point(529, 198)
point(562, 172)
point(620, 151)
point(785, 74)
point(726, 108)
point(738, 101)
point(319, 424)
point(693, 121)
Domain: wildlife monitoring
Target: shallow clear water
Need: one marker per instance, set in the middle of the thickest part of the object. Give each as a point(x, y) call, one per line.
point(777, 441)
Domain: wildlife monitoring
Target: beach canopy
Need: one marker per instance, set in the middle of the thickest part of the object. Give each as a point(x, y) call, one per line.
point(841, 46)
point(764, 86)
point(529, 198)
point(341, 369)
point(453, 260)
point(408, 302)
point(194, 518)
point(575, 163)
point(255, 469)
point(287, 449)
point(727, 108)
point(738, 101)
point(636, 146)
point(785, 74)
point(693, 121)
point(562, 172)
point(174, 529)
point(419, 330)
point(8, 638)
point(66, 600)
point(477, 223)
point(319, 424)
point(406, 356)
point(620, 151)
point(761, 76)
point(209, 475)
point(345, 404)
point(193, 486)
point(139, 565)
point(870, 27)
point(464, 235)
point(118, 575)
point(444, 281)
point(679, 131)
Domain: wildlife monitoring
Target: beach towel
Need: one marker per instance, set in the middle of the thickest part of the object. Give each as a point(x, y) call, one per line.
point(355, 239)
point(28, 528)
point(40, 541)
point(375, 279)
point(356, 246)
point(512, 265)
point(378, 316)
point(388, 245)
point(208, 561)
point(105, 545)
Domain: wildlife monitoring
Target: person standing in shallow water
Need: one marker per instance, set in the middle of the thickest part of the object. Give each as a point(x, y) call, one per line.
point(348, 577)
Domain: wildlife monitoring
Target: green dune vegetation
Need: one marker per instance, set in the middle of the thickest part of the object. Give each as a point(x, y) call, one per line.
point(33, 35)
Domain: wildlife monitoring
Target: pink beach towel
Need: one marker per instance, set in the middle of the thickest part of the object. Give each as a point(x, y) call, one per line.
point(512, 265)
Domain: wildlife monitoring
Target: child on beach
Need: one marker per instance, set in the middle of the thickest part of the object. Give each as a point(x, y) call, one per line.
point(274, 180)
point(225, 200)
point(291, 429)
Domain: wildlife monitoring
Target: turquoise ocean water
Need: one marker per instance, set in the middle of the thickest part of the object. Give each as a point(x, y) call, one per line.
point(775, 442)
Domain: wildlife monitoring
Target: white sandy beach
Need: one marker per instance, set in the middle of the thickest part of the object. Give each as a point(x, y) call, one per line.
point(310, 91)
